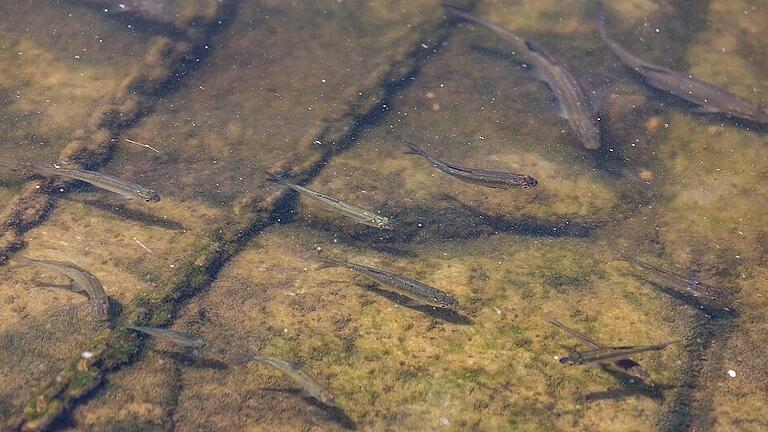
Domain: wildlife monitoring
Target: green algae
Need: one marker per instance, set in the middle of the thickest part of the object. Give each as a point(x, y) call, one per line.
point(511, 259)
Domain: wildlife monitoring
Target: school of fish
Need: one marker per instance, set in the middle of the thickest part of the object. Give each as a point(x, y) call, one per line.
point(574, 105)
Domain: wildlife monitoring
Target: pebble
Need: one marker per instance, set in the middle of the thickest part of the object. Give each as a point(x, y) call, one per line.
point(732, 373)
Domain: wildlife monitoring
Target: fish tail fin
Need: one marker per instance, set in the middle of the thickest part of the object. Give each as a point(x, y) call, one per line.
point(256, 358)
point(661, 346)
point(600, 14)
point(459, 13)
point(600, 21)
point(553, 321)
point(412, 148)
point(326, 262)
point(624, 256)
point(139, 329)
point(277, 179)
point(21, 260)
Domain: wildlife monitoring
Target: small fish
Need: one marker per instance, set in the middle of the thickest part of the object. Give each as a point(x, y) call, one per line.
point(353, 212)
point(574, 104)
point(609, 354)
point(625, 365)
point(696, 287)
point(492, 179)
point(407, 287)
point(171, 336)
point(309, 384)
point(708, 98)
point(82, 282)
point(103, 181)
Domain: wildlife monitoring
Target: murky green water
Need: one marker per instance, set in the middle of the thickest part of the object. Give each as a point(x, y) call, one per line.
point(198, 99)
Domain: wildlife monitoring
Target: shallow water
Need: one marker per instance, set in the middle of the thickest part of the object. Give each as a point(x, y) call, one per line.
point(323, 92)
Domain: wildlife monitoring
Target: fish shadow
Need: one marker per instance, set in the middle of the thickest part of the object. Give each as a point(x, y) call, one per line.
point(191, 360)
point(362, 236)
point(115, 311)
point(740, 123)
point(334, 413)
point(629, 387)
point(694, 302)
point(444, 314)
point(125, 212)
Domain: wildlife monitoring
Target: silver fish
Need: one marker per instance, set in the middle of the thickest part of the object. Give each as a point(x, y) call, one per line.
point(82, 281)
point(603, 355)
point(711, 294)
point(492, 179)
point(102, 181)
point(625, 365)
point(353, 212)
point(309, 384)
point(708, 98)
point(574, 104)
point(172, 336)
point(405, 286)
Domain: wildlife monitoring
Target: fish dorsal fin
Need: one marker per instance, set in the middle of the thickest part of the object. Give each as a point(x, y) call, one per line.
point(649, 67)
point(560, 109)
point(705, 109)
point(537, 49)
point(535, 72)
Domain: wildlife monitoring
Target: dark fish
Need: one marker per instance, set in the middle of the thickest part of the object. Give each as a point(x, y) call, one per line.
point(82, 282)
point(608, 354)
point(411, 288)
point(697, 288)
point(492, 179)
point(358, 214)
point(625, 365)
point(574, 104)
point(103, 181)
point(171, 336)
point(708, 98)
point(309, 384)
